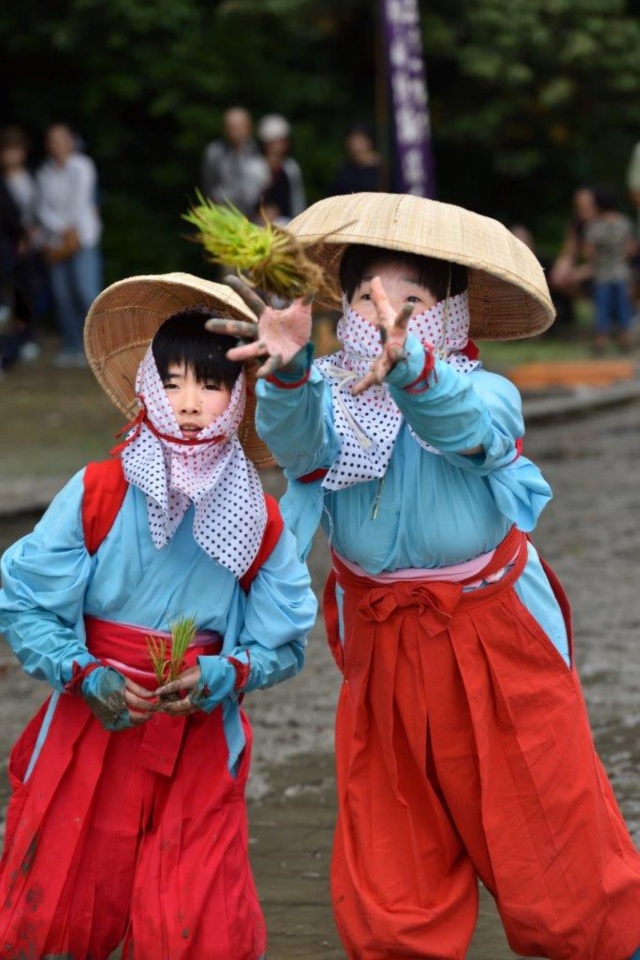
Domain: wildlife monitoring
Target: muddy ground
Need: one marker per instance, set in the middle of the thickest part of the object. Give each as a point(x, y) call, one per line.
point(589, 533)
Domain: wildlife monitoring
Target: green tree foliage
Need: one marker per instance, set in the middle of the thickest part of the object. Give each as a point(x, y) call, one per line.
point(540, 95)
point(528, 97)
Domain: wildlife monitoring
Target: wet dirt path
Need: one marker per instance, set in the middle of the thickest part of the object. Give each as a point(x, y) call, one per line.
point(589, 534)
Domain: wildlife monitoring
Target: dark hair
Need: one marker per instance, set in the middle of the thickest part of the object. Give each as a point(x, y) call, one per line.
point(437, 275)
point(13, 137)
point(605, 198)
point(183, 339)
point(363, 128)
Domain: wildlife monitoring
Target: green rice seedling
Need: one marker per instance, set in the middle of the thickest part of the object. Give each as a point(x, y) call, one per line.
point(167, 657)
point(157, 648)
point(265, 255)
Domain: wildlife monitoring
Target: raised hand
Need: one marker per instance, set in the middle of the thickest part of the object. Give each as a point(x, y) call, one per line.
point(277, 334)
point(393, 333)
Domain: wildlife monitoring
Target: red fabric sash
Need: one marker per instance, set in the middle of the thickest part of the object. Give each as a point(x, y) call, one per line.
point(435, 600)
point(126, 646)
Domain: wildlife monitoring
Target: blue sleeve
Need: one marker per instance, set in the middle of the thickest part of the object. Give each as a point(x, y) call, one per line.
point(295, 421)
point(459, 411)
point(45, 577)
point(280, 611)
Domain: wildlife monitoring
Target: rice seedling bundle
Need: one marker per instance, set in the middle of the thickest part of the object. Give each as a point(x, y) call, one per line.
point(167, 655)
point(266, 256)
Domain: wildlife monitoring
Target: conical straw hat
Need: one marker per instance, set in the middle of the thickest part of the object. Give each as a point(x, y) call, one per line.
point(123, 320)
point(508, 293)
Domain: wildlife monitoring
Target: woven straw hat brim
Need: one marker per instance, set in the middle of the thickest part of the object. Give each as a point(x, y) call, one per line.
point(123, 320)
point(508, 294)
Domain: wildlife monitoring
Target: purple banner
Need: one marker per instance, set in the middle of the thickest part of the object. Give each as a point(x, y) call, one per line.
point(409, 104)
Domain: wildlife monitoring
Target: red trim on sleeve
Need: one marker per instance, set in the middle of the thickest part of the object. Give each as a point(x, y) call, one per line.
point(423, 376)
point(242, 671)
point(471, 350)
point(318, 474)
point(78, 674)
point(284, 385)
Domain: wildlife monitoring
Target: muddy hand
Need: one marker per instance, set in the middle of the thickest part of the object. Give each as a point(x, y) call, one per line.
point(242, 329)
point(393, 333)
point(116, 701)
point(139, 702)
point(278, 334)
point(185, 683)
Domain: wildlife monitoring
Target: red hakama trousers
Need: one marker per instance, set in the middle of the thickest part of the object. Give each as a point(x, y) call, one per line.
point(138, 835)
point(463, 750)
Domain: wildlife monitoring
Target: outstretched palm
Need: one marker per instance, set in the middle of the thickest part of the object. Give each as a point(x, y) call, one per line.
point(276, 334)
point(279, 334)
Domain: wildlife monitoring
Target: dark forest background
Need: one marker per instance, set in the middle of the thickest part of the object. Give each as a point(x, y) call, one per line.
point(529, 99)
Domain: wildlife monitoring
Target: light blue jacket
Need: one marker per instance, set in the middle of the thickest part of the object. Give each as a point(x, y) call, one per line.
point(50, 583)
point(432, 509)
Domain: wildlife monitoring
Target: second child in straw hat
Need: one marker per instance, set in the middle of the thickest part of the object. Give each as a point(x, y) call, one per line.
point(463, 745)
point(128, 800)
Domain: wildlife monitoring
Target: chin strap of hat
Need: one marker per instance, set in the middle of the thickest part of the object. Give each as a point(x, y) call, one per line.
point(135, 425)
point(442, 349)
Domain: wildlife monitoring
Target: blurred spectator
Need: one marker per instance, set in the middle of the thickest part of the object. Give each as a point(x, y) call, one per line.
point(233, 169)
point(71, 227)
point(523, 233)
point(10, 237)
point(570, 273)
point(284, 198)
point(609, 245)
point(361, 171)
point(11, 234)
point(14, 148)
point(562, 303)
point(633, 178)
point(633, 183)
point(29, 295)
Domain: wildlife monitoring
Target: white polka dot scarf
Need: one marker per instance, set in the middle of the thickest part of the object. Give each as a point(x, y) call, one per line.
point(212, 472)
point(369, 423)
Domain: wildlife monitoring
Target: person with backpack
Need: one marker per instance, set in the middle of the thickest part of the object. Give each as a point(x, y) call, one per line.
point(463, 746)
point(127, 821)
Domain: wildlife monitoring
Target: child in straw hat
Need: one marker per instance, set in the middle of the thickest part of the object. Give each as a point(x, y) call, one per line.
point(127, 819)
point(462, 741)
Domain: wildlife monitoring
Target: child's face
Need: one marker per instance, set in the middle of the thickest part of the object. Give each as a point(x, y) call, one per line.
point(196, 404)
point(400, 282)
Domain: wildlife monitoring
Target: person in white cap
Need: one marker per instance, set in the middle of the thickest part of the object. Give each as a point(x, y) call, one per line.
point(284, 198)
